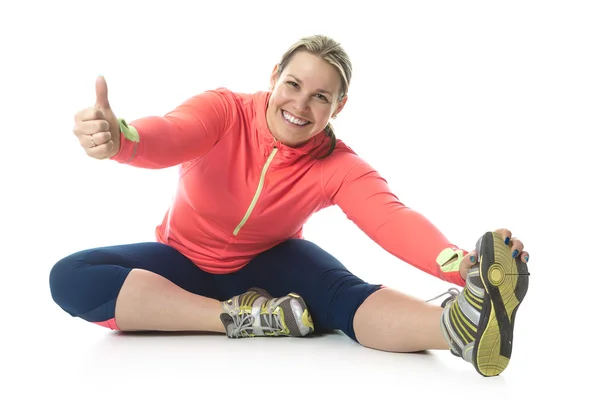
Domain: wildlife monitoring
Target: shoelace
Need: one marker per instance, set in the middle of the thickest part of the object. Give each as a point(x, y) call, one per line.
point(243, 323)
point(273, 321)
point(453, 292)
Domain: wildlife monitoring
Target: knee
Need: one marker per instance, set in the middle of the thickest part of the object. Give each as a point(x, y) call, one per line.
point(298, 245)
point(87, 283)
point(301, 251)
point(61, 278)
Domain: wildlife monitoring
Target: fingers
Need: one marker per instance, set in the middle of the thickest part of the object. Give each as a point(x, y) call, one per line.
point(94, 140)
point(89, 114)
point(102, 151)
point(94, 135)
point(506, 234)
point(516, 245)
point(93, 132)
point(468, 261)
point(471, 258)
point(91, 127)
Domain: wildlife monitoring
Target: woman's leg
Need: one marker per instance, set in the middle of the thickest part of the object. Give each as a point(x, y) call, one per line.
point(392, 321)
point(476, 326)
point(146, 286)
point(330, 291)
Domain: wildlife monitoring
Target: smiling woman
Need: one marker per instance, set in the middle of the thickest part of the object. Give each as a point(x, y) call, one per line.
point(230, 255)
point(309, 86)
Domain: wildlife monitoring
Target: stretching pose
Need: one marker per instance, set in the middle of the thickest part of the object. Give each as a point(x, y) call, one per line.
point(230, 255)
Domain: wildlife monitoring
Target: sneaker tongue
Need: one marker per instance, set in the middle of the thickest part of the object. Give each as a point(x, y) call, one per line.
point(256, 324)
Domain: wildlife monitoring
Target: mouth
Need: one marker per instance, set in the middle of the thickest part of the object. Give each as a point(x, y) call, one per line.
point(292, 120)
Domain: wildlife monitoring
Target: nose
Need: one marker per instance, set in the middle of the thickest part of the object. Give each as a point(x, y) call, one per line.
point(301, 102)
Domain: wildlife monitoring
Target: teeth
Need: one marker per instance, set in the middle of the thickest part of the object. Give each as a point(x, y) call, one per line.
point(294, 120)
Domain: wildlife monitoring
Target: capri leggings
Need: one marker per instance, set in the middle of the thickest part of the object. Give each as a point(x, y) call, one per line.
point(86, 284)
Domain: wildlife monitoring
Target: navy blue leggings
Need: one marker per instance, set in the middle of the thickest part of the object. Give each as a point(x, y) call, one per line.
point(86, 284)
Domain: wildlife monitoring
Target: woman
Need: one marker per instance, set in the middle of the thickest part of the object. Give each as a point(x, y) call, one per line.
point(230, 255)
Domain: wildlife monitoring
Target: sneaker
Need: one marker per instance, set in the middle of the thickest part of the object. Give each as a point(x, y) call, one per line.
point(257, 313)
point(479, 322)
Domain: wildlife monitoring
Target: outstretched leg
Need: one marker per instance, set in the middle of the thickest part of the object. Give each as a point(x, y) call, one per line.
point(392, 321)
point(476, 326)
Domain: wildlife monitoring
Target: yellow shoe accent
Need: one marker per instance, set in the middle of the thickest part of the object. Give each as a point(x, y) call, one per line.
point(284, 328)
point(307, 320)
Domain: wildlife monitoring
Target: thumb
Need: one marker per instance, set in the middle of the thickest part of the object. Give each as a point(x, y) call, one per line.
point(468, 261)
point(472, 258)
point(102, 94)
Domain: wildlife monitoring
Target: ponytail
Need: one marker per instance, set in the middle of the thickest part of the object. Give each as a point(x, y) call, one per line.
point(332, 140)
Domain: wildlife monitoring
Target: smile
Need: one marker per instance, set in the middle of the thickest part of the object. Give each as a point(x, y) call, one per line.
point(289, 118)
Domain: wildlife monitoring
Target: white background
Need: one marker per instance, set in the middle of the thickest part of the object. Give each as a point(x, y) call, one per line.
point(479, 114)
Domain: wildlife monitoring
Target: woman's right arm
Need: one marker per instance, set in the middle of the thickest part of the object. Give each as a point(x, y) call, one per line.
point(185, 133)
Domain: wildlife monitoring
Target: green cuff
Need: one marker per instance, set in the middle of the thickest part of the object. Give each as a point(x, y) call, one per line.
point(446, 255)
point(128, 131)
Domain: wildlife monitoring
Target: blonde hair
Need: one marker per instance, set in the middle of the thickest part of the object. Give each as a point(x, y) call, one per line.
point(331, 51)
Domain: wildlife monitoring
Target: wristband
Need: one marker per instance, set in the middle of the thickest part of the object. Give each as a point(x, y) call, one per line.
point(128, 131)
point(446, 255)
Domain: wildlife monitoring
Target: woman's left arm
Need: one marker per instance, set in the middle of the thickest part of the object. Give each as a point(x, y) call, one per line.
point(366, 199)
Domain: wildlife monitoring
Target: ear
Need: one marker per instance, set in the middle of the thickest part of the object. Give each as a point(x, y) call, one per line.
point(340, 106)
point(274, 77)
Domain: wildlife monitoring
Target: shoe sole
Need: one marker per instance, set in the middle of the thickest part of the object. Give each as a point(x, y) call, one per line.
point(506, 280)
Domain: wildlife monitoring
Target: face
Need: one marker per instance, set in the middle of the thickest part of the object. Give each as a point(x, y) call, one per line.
point(304, 96)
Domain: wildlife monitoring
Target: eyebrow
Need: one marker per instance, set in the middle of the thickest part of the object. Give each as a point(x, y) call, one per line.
point(318, 90)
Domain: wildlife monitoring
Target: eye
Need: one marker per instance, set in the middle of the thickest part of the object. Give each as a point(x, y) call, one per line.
point(322, 98)
point(293, 84)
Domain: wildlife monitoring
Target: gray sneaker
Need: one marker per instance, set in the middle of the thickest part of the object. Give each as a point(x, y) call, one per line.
point(479, 322)
point(257, 313)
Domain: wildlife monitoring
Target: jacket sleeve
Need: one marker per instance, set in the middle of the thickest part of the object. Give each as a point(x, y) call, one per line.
point(366, 199)
point(185, 133)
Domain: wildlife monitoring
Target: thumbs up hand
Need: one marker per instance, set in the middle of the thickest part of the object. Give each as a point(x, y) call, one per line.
point(97, 128)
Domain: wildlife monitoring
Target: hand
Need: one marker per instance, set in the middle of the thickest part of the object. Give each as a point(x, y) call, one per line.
point(97, 128)
point(516, 246)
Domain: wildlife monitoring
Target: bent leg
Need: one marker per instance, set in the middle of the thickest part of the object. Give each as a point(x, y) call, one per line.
point(332, 294)
point(146, 286)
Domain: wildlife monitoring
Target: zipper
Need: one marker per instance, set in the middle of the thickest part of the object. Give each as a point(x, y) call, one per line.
point(261, 183)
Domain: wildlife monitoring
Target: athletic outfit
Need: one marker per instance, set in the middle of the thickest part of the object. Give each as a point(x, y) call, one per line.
point(236, 219)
